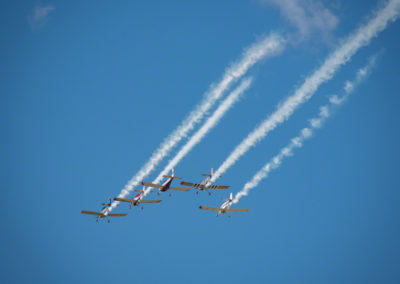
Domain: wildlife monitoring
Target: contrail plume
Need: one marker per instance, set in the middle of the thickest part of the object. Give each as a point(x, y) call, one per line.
point(266, 47)
point(211, 122)
point(361, 37)
point(315, 123)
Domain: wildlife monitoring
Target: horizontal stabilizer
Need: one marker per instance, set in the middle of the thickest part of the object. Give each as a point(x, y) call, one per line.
point(172, 177)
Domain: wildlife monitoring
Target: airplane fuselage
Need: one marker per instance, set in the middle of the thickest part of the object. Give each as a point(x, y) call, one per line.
point(137, 199)
point(225, 206)
point(206, 182)
point(104, 211)
point(166, 185)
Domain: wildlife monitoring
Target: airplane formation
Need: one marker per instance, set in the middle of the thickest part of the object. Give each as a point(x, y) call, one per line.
point(206, 184)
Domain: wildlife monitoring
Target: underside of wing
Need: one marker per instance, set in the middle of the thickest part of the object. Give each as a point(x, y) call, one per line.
point(179, 188)
point(219, 186)
point(151, 184)
point(92, 213)
point(196, 185)
point(210, 208)
point(117, 214)
point(123, 199)
point(238, 210)
point(150, 201)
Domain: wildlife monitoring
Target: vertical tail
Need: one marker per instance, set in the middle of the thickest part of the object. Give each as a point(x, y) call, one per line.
point(172, 172)
point(230, 197)
point(212, 172)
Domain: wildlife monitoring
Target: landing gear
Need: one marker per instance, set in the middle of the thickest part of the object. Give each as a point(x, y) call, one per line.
point(209, 193)
point(170, 195)
point(108, 221)
point(197, 192)
point(142, 207)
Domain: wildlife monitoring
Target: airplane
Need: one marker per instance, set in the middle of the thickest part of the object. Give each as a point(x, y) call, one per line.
point(205, 183)
point(166, 185)
point(137, 199)
point(225, 207)
point(104, 212)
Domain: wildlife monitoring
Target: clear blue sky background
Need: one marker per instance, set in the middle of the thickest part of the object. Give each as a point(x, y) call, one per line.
point(89, 91)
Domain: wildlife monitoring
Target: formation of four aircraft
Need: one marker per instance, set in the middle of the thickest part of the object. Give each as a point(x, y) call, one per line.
point(206, 184)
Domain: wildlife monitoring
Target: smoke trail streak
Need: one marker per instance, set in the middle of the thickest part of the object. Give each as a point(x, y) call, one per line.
point(390, 12)
point(211, 122)
point(266, 47)
point(326, 111)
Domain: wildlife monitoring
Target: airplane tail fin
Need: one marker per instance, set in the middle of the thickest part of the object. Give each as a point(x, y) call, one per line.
point(228, 199)
point(143, 189)
point(107, 204)
point(211, 174)
point(172, 175)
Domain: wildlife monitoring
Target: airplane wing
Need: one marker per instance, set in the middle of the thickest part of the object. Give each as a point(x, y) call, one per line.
point(151, 184)
point(150, 201)
point(196, 185)
point(92, 213)
point(219, 186)
point(117, 214)
point(210, 208)
point(237, 210)
point(123, 199)
point(179, 188)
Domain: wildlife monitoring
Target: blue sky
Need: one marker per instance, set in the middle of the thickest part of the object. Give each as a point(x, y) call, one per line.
point(90, 90)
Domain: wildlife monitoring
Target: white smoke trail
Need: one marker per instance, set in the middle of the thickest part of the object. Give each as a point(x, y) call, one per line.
point(266, 47)
point(211, 122)
point(315, 123)
point(390, 12)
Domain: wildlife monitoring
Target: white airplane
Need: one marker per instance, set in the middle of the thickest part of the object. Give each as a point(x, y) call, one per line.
point(137, 199)
point(205, 183)
point(104, 212)
point(225, 207)
point(166, 185)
